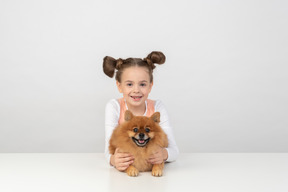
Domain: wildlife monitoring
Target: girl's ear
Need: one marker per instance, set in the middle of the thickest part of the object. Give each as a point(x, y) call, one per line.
point(119, 86)
point(151, 85)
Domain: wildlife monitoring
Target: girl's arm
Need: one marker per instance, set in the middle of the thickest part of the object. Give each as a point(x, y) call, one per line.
point(172, 148)
point(119, 160)
point(111, 121)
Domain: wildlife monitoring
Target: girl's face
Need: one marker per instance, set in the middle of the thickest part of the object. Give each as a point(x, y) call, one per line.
point(135, 86)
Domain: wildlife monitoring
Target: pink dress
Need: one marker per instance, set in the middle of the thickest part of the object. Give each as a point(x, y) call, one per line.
point(149, 111)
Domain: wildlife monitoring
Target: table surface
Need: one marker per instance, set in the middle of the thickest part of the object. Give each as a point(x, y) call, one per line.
point(197, 172)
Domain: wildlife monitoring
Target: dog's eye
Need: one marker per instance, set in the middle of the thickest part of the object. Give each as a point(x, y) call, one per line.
point(147, 130)
point(135, 130)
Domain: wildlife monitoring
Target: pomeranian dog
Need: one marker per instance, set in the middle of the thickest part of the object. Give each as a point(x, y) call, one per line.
point(141, 136)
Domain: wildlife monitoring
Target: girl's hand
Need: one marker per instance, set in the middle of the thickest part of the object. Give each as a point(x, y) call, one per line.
point(159, 157)
point(121, 161)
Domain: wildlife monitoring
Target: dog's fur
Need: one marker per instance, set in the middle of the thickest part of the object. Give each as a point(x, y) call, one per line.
point(128, 139)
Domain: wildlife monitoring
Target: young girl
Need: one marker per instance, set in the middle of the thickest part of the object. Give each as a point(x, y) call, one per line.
point(134, 80)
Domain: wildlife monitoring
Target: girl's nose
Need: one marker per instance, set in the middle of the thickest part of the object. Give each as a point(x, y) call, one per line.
point(136, 88)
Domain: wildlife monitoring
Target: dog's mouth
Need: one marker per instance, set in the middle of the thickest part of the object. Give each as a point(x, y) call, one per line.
point(140, 142)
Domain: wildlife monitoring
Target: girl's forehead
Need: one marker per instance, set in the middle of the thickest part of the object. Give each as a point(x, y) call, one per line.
point(136, 72)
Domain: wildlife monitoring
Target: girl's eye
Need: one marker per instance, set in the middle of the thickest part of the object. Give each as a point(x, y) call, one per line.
point(129, 84)
point(135, 130)
point(142, 84)
point(147, 130)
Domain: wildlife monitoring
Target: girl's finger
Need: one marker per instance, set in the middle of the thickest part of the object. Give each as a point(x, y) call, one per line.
point(121, 168)
point(122, 161)
point(155, 161)
point(124, 165)
point(126, 159)
point(153, 158)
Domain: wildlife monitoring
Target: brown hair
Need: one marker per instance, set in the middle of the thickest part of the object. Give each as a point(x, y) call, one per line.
point(110, 64)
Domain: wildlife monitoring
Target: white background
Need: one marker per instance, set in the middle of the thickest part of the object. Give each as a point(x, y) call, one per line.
point(224, 83)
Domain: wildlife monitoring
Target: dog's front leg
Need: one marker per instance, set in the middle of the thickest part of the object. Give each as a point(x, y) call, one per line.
point(132, 171)
point(157, 170)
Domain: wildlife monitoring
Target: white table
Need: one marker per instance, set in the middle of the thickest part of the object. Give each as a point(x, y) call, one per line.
point(196, 172)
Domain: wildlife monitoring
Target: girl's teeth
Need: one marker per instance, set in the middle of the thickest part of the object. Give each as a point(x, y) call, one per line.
point(136, 98)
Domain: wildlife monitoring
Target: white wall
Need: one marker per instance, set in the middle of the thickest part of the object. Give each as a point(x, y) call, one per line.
point(224, 82)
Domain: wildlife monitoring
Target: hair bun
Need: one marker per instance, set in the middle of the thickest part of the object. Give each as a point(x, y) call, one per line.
point(109, 65)
point(157, 57)
point(119, 62)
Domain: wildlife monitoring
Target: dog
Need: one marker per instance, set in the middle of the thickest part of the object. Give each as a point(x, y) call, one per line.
point(140, 136)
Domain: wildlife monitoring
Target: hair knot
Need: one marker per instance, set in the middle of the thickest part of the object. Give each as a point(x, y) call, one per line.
point(149, 62)
point(119, 62)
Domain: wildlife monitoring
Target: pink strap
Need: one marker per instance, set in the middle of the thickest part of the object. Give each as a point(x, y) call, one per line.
point(149, 111)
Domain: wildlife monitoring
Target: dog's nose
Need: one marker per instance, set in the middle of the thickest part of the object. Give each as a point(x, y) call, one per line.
point(141, 135)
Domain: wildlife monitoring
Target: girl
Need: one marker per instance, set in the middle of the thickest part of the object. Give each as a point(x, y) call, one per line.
point(134, 80)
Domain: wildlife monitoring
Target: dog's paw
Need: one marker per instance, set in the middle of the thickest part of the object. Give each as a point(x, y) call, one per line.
point(132, 171)
point(157, 171)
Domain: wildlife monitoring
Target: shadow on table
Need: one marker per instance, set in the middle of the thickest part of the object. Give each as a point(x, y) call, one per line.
point(143, 182)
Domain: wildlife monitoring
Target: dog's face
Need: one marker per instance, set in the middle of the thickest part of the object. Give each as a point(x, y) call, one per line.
point(142, 129)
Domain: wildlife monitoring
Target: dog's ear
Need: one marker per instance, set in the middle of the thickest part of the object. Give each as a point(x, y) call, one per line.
point(156, 117)
point(128, 115)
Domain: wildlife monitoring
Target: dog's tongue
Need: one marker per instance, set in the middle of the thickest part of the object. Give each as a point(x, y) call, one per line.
point(141, 141)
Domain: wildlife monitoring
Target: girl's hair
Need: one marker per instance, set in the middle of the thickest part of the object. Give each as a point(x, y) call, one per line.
point(110, 64)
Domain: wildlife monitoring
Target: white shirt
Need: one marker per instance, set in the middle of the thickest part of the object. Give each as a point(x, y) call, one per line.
point(112, 114)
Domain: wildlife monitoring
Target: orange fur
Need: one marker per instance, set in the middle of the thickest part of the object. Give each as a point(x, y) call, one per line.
point(122, 138)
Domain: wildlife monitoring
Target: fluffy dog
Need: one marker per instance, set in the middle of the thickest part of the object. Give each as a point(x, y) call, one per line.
point(141, 136)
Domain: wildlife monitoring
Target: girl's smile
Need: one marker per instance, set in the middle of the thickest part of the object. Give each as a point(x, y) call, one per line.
point(136, 98)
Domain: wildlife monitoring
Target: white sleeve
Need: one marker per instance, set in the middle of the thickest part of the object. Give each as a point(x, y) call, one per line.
point(112, 112)
point(172, 148)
